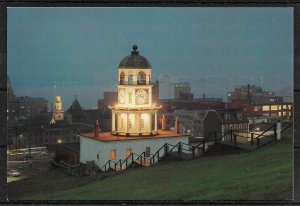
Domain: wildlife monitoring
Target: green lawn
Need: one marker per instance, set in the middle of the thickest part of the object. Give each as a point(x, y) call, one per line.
point(263, 174)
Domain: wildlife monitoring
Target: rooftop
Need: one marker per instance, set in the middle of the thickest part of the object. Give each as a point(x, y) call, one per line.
point(107, 136)
point(135, 60)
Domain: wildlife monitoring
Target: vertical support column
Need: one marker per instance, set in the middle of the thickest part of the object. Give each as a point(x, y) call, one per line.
point(278, 127)
point(150, 122)
point(138, 123)
point(163, 123)
point(155, 123)
point(177, 129)
point(113, 123)
point(127, 123)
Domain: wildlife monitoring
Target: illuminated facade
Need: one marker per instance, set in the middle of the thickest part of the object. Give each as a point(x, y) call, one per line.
point(134, 127)
point(135, 114)
point(58, 113)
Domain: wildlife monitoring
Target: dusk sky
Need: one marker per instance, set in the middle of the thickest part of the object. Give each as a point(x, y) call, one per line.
point(76, 51)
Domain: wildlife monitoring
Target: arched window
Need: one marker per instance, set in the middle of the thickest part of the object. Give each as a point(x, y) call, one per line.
point(130, 78)
point(141, 78)
point(122, 78)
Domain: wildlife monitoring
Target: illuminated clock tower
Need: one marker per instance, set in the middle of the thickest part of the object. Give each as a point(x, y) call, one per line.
point(135, 114)
point(58, 113)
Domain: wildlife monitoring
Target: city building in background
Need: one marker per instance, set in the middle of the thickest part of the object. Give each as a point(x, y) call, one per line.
point(182, 90)
point(109, 98)
point(198, 123)
point(75, 113)
point(255, 103)
point(24, 107)
point(233, 119)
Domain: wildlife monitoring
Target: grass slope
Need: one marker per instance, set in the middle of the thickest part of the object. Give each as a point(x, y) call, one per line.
point(264, 174)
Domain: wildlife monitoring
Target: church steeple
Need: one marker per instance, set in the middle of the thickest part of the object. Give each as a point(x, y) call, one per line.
point(58, 113)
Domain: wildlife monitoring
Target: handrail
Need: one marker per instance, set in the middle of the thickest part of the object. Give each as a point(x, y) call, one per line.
point(286, 127)
point(108, 162)
point(265, 131)
point(136, 157)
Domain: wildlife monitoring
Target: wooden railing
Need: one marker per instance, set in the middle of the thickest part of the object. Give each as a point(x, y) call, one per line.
point(167, 148)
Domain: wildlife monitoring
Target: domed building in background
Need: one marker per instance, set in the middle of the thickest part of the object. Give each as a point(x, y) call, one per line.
point(134, 121)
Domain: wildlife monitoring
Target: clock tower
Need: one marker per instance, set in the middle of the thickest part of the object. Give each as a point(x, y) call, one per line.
point(134, 114)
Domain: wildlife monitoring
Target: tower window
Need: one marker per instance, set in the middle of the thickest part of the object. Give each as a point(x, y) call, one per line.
point(130, 79)
point(129, 97)
point(142, 124)
point(129, 123)
point(121, 124)
point(141, 78)
point(122, 78)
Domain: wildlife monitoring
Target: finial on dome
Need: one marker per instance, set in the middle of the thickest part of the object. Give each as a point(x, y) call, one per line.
point(134, 47)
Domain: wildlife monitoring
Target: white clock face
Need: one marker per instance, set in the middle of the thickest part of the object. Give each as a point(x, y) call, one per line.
point(121, 96)
point(141, 96)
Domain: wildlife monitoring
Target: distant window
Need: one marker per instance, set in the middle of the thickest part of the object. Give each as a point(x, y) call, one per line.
point(239, 116)
point(227, 116)
point(113, 154)
point(147, 153)
point(256, 108)
point(266, 108)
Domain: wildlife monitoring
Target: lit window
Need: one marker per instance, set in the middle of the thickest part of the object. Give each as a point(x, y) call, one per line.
point(147, 153)
point(274, 107)
point(279, 114)
point(129, 97)
point(142, 124)
point(266, 108)
point(256, 108)
point(121, 123)
point(129, 123)
point(283, 106)
point(128, 152)
point(113, 154)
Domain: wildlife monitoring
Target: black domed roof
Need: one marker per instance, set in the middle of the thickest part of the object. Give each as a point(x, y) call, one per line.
point(135, 60)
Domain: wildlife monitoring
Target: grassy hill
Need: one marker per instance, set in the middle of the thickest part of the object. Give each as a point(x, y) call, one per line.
point(263, 174)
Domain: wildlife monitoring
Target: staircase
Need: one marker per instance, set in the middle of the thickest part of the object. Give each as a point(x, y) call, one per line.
point(184, 151)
